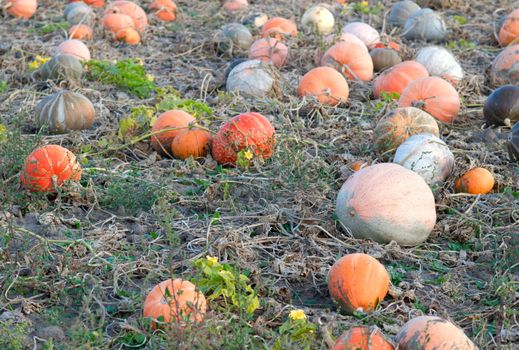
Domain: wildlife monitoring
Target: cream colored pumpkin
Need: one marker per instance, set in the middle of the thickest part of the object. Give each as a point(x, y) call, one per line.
point(440, 62)
point(318, 18)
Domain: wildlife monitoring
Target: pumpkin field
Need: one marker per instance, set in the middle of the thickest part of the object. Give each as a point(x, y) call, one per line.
point(259, 174)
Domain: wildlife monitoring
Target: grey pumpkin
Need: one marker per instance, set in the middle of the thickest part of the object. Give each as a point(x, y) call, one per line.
point(425, 24)
point(513, 143)
point(61, 67)
point(401, 11)
point(384, 58)
point(65, 111)
point(79, 12)
point(233, 36)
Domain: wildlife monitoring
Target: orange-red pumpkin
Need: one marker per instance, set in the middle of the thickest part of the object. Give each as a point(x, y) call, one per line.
point(248, 131)
point(279, 28)
point(129, 36)
point(80, 32)
point(165, 10)
point(351, 59)
point(475, 181)
point(363, 338)
point(397, 78)
point(505, 67)
point(95, 3)
point(74, 48)
point(191, 143)
point(140, 20)
point(21, 8)
point(509, 31)
point(435, 96)
point(174, 120)
point(269, 50)
point(326, 84)
point(49, 166)
point(174, 301)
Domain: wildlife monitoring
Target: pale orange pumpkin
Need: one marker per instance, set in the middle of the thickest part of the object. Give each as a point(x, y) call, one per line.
point(475, 181)
point(137, 14)
point(21, 8)
point(115, 22)
point(80, 32)
point(398, 77)
point(362, 338)
point(269, 50)
point(175, 120)
point(279, 28)
point(174, 300)
point(191, 143)
point(74, 48)
point(49, 166)
point(235, 5)
point(351, 59)
point(358, 282)
point(129, 36)
point(435, 96)
point(165, 10)
point(509, 31)
point(505, 67)
point(326, 84)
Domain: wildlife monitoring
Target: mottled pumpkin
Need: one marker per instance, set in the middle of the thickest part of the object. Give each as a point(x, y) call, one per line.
point(326, 84)
point(363, 338)
point(350, 58)
point(21, 8)
point(61, 67)
point(167, 126)
point(191, 143)
point(475, 181)
point(398, 77)
point(505, 67)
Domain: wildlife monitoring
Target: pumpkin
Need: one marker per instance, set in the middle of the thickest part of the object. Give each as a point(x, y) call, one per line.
point(49, 166)
point(233, 36)
point(434, 95)
point(387, 202)
point(326, 84)
point(245, 132)
point(174, 300)
point(398, 77)
point(428, 156)
point(165, 10)
point(80, 32)
point(513, 143)
point(95, 3)
point(425, 24)
point(358, 283)
point(509, 31)
point(475, 181)
point(279, 28)
point(129, 36)
point(252, 78)
point(351, 59)
point(79, 13)
point(65, 111)
point(190, 143)
point(256, 20)
point(318, 18)
point(235, 5)
point(440, 62)
point(384, 58)
point(269, 50)
point(175, 120)
point(116, 22)
point(401, 11)
point(400, 124)
point(502, 106)
point(137, 14)
point(61, 67)
point(366, 33)
point(347, 37)
point(505, 67)
point(74, 48)
point(21, 8)
point(362, 338)
point(230, 66)
point(431, 333)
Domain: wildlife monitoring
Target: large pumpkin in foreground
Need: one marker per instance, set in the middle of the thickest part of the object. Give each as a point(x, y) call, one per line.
point(245, 132)
point(432, 333)
point(386, 202)
point(362, 338)
point(174, 301)
point(398, 77)
point(49, 166)
point(358, 282)
point(168, 125)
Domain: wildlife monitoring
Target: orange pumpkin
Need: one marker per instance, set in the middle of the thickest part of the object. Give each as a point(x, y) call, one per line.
point(505, 67)
point(115, 22)
point(95, 3)
point(279, 28)
point(129, 36)
point(165, 10)
point(475, 181)
point(435, 96)
point(363, 338)
point(249, 132)
point(269, 50)
point(21, 8)
point(358, 282)
point(74, 48)
point(398, 77)
point(49, 166)
point(175, 120)
point(432, 333)
point(235, 5)
point(509, 31)
point(174, 301)
point(191, 143)
point(80, 32)
point(137, 14)
point(351, 59)
point(326, 84)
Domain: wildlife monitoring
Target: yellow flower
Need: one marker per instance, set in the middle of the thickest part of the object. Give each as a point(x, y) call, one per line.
point(211, 260)
point(297, 315)
point(139, 61)
point(364, 4)
point(248, 154)
point(150, 77)
point(38, 61)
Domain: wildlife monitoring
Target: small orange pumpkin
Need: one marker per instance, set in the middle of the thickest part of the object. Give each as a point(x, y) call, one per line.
point(235, 5)
point(176, 120)
point(435, 96)
point(269, 50)
point(326, 84)
point(165, 10)
point(191, 143)
point(358, 282)
point(137, 14)
point(363, 338)
point(174, 301)
point(279, 27)
point(398, 77)
point(350, 58)
point(80, 32)
point(129, 36)
point(49, 166)
point(505, 67)
point(509, 31)
point(74, 48)
point(95, 3)
point(21, 8)
point(475, 181)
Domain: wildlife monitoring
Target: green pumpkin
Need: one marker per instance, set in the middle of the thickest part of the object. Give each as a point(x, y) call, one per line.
point(62, 67)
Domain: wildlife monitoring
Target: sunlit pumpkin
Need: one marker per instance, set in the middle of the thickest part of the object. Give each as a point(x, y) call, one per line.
point(115, 22)
point(362, 338)
point(475, 181)
point(174, 301)
point(318, 18)
point(49, 166)
point(165, 10)
point(398, 77)
point(358, 282)
point(366, 33)
point(191, 143)
point(80, 32)
point(74, 48)
point(21, 8)
point(326, 84)
point(137, 14)
point(171, 123)
point(351, 59)
point(509, 31)
point(129, 35)
point(269, 50)
point(441, 63)
point(435, 96)
point(505, 67)
point(279, 28)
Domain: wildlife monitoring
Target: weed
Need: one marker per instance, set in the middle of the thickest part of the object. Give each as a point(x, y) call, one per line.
point(49, 28)
point(13, 335)
point(3, 86)
point(295, 333)
point(171, 99)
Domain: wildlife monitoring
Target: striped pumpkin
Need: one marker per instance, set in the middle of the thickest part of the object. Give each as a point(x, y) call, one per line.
point(65, 111)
